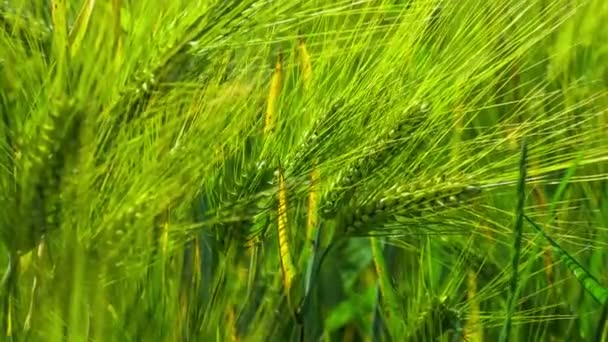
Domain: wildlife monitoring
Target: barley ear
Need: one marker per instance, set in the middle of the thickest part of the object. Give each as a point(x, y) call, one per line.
point(305, 64)
point(287, 265)
point(312, 218)
point(274, 93)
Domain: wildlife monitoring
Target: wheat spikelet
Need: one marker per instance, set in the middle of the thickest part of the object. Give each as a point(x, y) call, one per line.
point(287, 264)
point(274, 93)
point(305, 64)
point(313, 203)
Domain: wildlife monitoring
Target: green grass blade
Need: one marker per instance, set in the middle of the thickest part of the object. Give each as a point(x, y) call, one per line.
point(588, 281)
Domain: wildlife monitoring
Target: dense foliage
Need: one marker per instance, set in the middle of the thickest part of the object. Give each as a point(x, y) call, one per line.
point(260, 170)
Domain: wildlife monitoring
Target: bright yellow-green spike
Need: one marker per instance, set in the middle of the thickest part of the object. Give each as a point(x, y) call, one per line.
point(232, 333)
point(80, 26)
point(273, 95)
point(9, 318)
point(312, 218)
point(305, 64)
point(287, 265)
point(473, 331)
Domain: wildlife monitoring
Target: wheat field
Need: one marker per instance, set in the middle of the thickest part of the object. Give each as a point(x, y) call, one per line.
point(304, 170)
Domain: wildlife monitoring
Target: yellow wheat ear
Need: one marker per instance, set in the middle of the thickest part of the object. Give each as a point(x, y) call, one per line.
point(305, 64)
point(273, 95)
point(312, 218)
point(473, 331)
point(287, 265)
point(231, 320)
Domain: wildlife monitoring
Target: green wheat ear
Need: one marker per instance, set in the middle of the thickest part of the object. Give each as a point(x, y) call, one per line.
point(586, 279)
point(407, 202)
point(383, 150)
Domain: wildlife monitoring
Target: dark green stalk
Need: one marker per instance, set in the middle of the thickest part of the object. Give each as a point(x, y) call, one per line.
point(519, 221)
point(601, 325)
point(378, 326)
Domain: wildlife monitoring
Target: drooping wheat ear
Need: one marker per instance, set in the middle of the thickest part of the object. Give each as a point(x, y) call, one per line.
point(287, 264)
point(384, 148)
point(405, 202)
point(588, 281)
point(274, 93)
point(44, 163)
point(305, 64)
point(245, 196)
